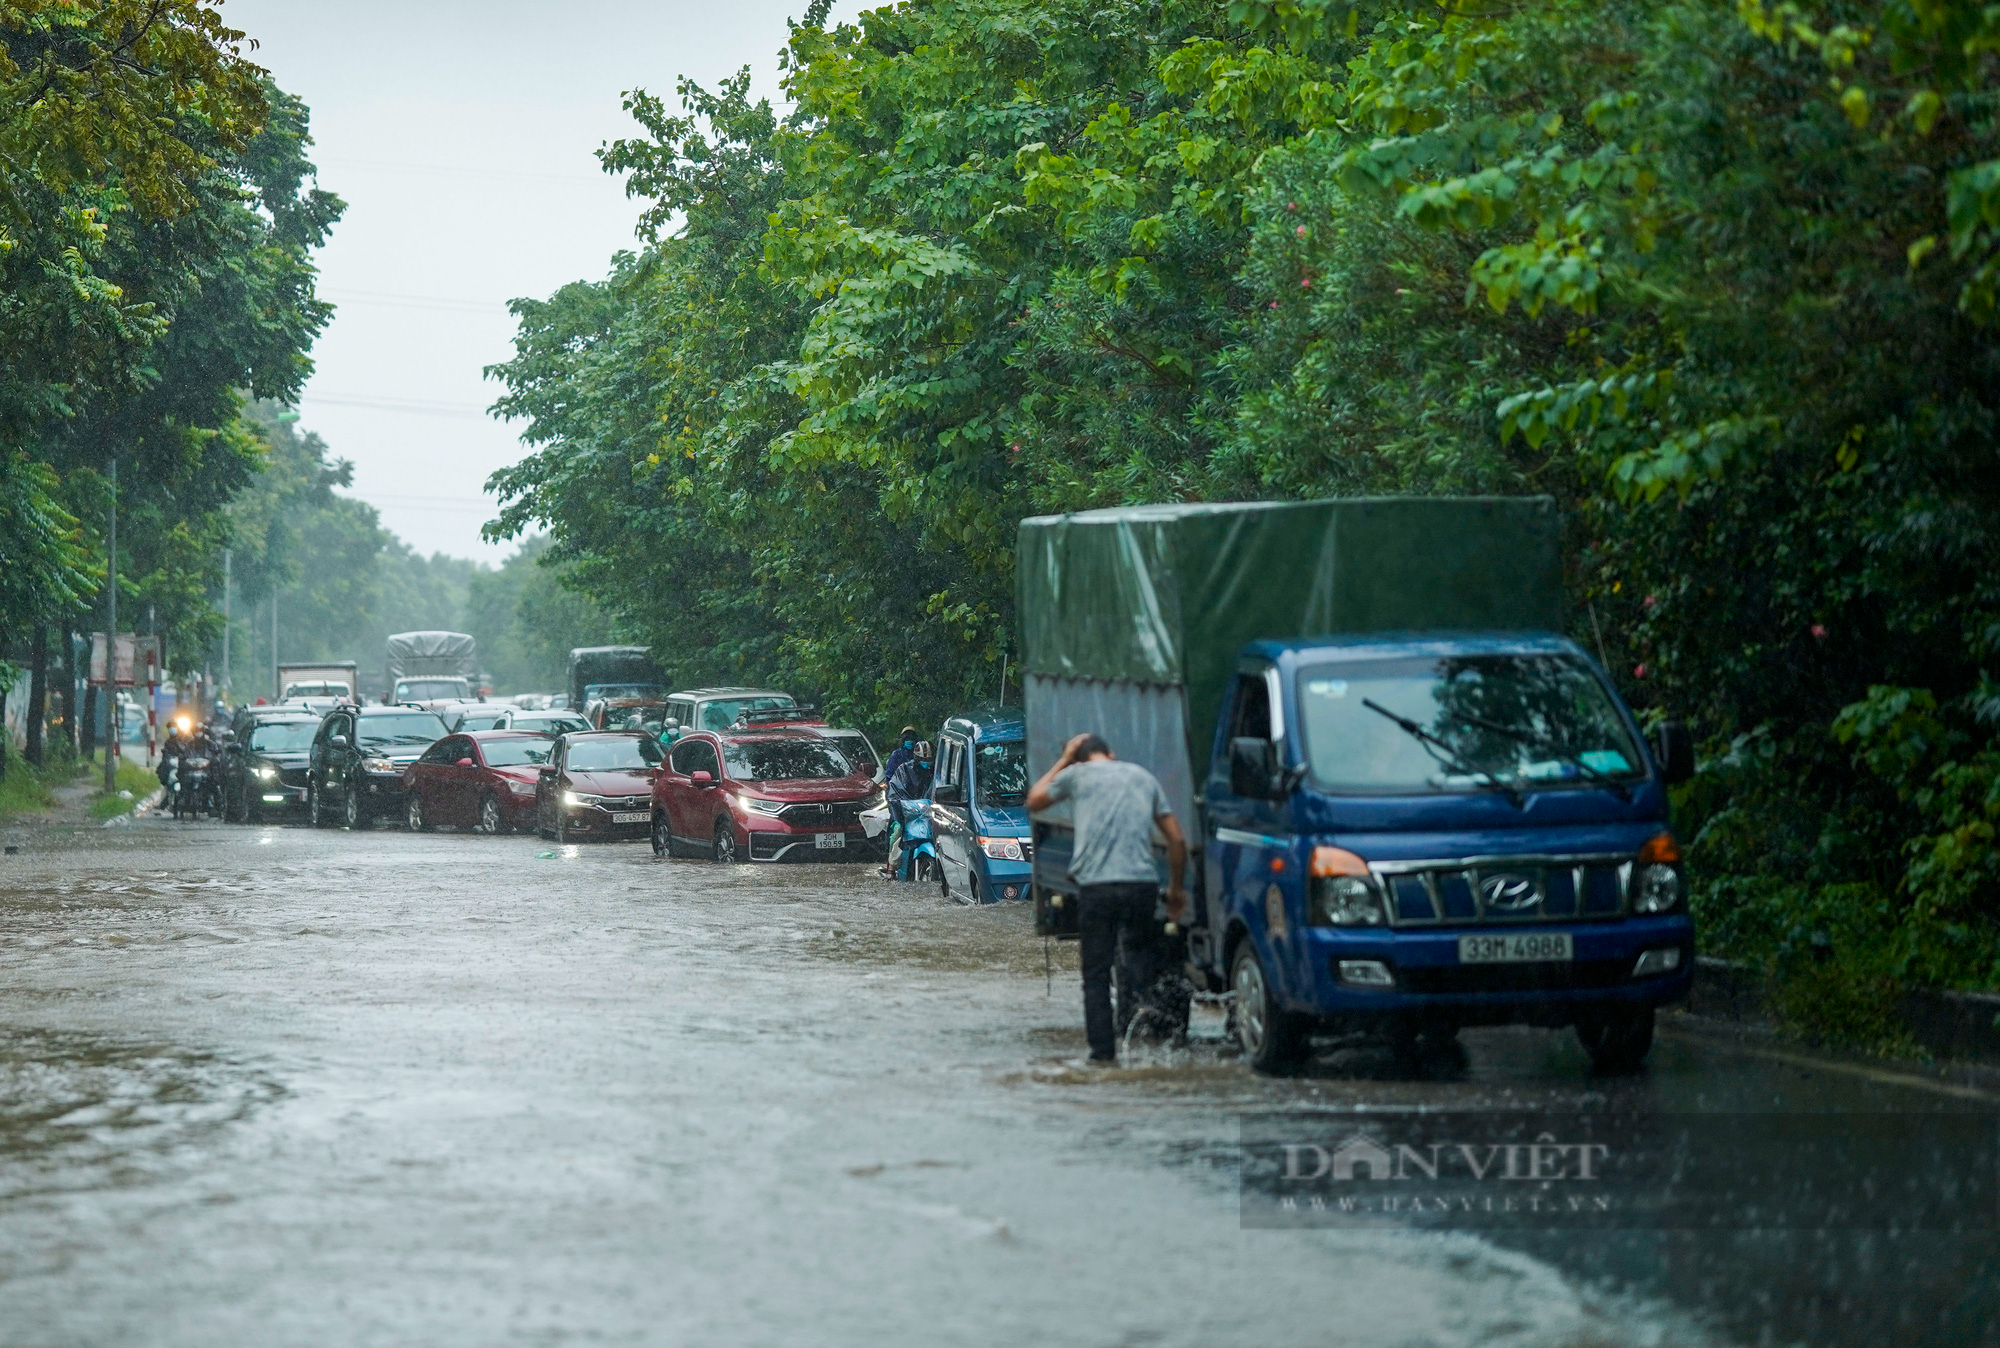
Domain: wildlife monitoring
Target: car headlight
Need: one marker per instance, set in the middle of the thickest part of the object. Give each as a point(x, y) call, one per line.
point(579, 798)
point(379, 765)
point(520, 787)
point(876, 801)
point(1348, 901)
point(267, 773)
point(1657, 889)
point(1002, 849)
point(761, 806)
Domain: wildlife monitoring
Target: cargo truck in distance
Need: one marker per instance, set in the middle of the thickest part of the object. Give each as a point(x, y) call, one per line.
point(335, 680)
point(432, 667)
point(1412, 804)
point(600, 673)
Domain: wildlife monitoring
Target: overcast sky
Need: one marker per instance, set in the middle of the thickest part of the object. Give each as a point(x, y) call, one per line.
point(460, 135)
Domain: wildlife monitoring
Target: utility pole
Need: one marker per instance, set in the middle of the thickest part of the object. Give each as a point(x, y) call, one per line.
point(227, 687)
point(111, 643)
point(277, 693)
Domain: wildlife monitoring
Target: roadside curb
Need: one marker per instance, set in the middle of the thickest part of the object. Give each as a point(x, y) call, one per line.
point(139, 807)
point(1959, 1027)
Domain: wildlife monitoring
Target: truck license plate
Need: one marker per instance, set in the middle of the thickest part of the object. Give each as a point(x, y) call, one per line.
point(824, 840)
point(1515, 947)
point(630, 817)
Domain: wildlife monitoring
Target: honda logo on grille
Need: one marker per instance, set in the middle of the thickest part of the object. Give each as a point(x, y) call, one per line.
point(1509, 892)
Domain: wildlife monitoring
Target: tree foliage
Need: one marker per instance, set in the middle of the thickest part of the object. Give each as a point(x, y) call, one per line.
point(1721, 279)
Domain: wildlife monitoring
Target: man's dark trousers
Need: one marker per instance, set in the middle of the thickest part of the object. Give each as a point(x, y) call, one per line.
point(1113, 921)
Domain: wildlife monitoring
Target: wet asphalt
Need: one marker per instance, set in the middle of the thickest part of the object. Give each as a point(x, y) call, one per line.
point(270, 1085)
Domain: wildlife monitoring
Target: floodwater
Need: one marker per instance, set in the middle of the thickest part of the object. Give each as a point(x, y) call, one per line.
point(276, 1086)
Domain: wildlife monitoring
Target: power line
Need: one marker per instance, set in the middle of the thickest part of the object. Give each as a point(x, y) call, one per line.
point(453, 171)
point(414, 301)
point(411, 405)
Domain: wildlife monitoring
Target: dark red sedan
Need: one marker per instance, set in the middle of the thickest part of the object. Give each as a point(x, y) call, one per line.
point(483, 780)
point(598, 784)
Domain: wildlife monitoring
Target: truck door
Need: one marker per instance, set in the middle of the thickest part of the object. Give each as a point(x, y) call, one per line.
point(951, 813)
point(1246, 835)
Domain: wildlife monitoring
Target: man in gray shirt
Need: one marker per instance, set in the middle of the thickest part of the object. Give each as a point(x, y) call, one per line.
point(1117, 806)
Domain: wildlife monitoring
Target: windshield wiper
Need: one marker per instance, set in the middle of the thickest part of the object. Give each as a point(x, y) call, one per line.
point(1533, 741)
point(1442, 752)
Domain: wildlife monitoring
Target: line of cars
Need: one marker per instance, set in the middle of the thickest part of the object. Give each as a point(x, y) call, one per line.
point(766, 781)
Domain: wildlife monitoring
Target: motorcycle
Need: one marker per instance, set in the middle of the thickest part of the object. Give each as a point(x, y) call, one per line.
point(194, 791)
point(915, 856)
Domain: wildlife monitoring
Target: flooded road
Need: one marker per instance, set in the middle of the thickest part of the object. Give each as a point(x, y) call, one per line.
point(275, 1086)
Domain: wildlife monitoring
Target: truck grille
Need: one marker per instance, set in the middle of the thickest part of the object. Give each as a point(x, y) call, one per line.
point(1504, 889)
point(1515, 977)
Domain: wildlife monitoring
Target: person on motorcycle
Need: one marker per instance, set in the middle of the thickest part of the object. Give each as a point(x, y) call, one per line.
point(909, 783)
point(180, 740)
point(906, 746)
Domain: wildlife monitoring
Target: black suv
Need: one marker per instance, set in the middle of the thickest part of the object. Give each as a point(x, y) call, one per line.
point(264, 766)
point(358, 758)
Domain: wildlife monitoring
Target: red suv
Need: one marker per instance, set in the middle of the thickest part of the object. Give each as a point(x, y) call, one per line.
point(763, 795)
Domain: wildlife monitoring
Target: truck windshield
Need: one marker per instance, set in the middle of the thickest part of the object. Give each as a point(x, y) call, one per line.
point(1003, 773)
point(1536, 721)
point(430, 690)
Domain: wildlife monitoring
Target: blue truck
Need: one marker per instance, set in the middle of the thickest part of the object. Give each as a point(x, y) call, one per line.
point(1412, 803)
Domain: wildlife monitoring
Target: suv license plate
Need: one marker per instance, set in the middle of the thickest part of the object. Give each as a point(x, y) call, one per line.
point(630, 817)
point(824, 840)
point(1517, 947)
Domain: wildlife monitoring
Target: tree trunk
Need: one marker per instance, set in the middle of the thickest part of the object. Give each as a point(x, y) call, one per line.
point(38, 694)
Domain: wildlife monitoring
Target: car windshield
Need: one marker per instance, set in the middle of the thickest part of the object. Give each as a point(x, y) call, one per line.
point(516, 753)
point(854, 748)
point(405, 730)
point(723, 711)
point(316, 690)
point(480, 720)
point(784, 760)
point(625, 753)
point(283, 737)
point(551, 725)
point(430, 690)
point(1003, 773)
point(1536, 720)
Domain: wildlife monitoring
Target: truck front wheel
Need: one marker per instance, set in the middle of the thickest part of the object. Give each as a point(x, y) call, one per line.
point(1273, 1039)
point(1617, 1040)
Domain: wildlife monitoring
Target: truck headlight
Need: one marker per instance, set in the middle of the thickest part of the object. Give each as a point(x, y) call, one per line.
point(267, 773)
point(379, 765)
point(1002, 849)
point(1657, 889)
point(1348, 901)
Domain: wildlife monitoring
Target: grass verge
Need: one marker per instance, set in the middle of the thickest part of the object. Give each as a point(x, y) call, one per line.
point(24, 791)
point(134, 782)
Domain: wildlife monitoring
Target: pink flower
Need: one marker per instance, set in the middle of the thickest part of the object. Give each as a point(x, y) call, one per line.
point(1274, 304)
point(1305, 283)
point(1291, 205)
point(1819, 631)
point(1649, 601)
point(1638, 671)
point(1014, 448)
point(1302, 231)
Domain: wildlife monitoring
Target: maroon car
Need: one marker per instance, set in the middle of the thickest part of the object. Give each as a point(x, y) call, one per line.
point(484, 780)
point(597, 784)
point(764, 795)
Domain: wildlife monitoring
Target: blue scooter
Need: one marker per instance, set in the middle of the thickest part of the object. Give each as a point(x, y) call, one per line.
point(916, 857)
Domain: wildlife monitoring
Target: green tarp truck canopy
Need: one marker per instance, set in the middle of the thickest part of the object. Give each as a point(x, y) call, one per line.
point(1170, 594)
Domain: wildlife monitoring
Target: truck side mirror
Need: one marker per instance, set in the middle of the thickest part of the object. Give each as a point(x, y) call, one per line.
point(1253, 768)
point(1675, 748)
point(948, 793)
point(338, 741)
